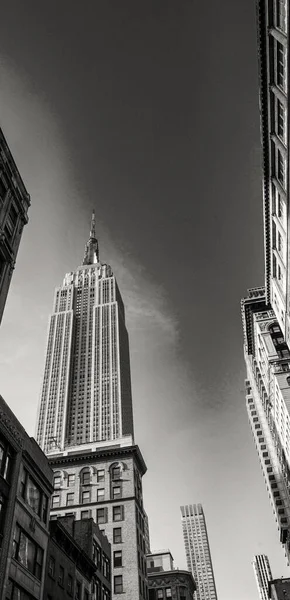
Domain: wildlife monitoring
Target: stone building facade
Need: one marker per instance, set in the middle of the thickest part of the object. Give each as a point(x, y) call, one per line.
point(166, 582)
point(78, 561)
point(14, 204)
point(105, 483)
point(25, 490)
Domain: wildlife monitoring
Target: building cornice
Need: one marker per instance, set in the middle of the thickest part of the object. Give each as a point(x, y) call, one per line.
point(108, 453)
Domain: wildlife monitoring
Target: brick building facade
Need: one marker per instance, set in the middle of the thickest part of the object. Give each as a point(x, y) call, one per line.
point(25, 490)
point(105, 484)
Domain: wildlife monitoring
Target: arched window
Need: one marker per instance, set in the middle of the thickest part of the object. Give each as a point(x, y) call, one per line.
point(85, 476)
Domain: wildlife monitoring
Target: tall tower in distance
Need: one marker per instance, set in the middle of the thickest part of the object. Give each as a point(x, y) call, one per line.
point(197, 551)
point(266, 310)
point(85, 422)
point(263, 574)
point(14, 204)
point(86, 393)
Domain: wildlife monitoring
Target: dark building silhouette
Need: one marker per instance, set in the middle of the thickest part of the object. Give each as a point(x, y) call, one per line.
point(14, 204)
point(25, 490)
point(279, 589)
point(78, 561)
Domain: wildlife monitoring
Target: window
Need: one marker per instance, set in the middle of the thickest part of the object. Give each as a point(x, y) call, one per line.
point(281, 168)
point(86, 477)
point(78, 590)
point(100, 494)
point(118, 513)
point(69, 584)
point(51, 566)
point(14, 592)
point(160, 593)
point(118, 584)
point(118, 558)
point(102, 515)
point(61, 576)
point(33, 495)
point(3, 190)
point(100, 475)
point(71, 480)
point(69, 499)
point(117, 492)
point(168, 593)
point(85, 514)
point(280, 206)
point(27, 552)
point(281, 120)
point(5, 460)
point(86, 497)
point(116, 472)
point(281, 66)
point(55, 501)
point(57, 481)
point(281, 21)
point(117, 535)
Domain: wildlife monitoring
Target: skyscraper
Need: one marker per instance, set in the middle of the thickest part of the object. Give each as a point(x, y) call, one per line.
point(266, 310)
point(14, 204)
point(197, 551)
point(85, 422)
point(86, 392)
point(263, 574)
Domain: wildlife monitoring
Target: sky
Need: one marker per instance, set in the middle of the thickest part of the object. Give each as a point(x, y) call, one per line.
point(147, 112)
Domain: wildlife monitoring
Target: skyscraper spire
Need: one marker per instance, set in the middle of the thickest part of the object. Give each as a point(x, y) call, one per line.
point(92, 247)
point(93, 227)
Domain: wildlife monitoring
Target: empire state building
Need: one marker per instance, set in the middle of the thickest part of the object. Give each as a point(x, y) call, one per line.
point(86, 393)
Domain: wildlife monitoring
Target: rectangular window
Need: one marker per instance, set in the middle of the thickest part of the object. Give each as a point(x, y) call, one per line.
point(168, 593)
point(27, 552)
point(86, 497)
point(14, 592)
point(118, 584)
point(281, 65)
point(280, 206)
point(56, 481)
point(55, 501)
point(118, 558)
point(69, 499)
point(69, 584)
point(71, 480)
point(117, 535)
point(33, 495)
point(116, 473)
point(5, 460)
point(160, 594)
point(118, 513)
point(100, 475)
point(281, 120)
point(117, 492)
point(101, 515)
point(78, 590)
point(100, 494)
point(51, 566)
point(61, 576)
point(85, 514)
point(281, 168)
point(281, 20)
point(86, 478)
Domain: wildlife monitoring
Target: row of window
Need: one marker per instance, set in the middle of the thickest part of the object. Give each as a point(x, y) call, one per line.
point(86, 496)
